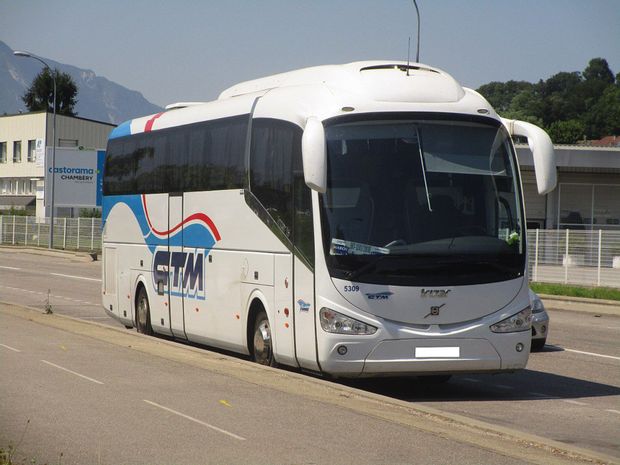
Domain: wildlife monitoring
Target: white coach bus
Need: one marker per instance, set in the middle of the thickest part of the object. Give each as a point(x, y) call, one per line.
point(355, 220)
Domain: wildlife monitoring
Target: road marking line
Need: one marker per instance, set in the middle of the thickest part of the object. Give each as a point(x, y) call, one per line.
point(471, 380)
point(575, 402)
point(10, 268)
point(10, 348)
point(613, 411)
point(591, 353)
point(75, 277)
point(72, 372)
point(195, 420)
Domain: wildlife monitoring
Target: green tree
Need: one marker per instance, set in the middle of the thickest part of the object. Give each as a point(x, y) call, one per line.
point(562, 97)
point(570, 105)
point(566, 132)
point(40, 94)
point(603, 119)
point(598, 69)
point(526, 106)
point(501, 94)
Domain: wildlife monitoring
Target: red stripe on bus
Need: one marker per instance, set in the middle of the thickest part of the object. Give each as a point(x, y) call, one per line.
point(196, 216)
point(149, 124)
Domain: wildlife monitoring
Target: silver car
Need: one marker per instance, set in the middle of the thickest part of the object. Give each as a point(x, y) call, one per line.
point(540, 322)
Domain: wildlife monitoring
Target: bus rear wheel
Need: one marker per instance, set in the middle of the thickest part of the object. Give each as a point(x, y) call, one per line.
point(143, 313)
point(262, 343)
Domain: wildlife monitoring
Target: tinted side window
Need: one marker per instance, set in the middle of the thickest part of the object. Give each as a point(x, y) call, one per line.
point(302, 207)
point(271, 174)
point(226, 153)
point(120, 168)
point(202, 156)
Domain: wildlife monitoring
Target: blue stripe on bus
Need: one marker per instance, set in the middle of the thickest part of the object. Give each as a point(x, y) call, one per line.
point(123, 129)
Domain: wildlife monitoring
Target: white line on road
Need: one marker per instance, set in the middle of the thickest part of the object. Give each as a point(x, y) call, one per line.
point(72, 372)
point(472, 380)
point(613, 411)
point(575, 402)
point(187, 417)
point(10, 268)
point(591, 353)
point(75, 277)
point(10, 348)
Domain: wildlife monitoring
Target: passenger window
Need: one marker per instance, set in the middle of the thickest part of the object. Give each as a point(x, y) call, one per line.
point(273, 145)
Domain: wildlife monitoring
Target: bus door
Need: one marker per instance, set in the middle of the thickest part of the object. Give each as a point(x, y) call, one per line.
point(303, 270)
point(178, 259)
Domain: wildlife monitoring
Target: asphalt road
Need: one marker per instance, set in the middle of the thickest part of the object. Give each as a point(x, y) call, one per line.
point(570, 393)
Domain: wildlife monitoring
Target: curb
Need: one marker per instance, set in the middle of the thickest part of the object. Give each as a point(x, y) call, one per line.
point(581, 305)
point(49, 252)
point(585, 300)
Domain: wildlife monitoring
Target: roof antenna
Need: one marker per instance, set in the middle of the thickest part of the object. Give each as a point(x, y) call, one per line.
point(408, 53)
point(417, 55)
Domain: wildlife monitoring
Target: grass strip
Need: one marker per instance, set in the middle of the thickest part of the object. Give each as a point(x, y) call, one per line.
point(606, 293)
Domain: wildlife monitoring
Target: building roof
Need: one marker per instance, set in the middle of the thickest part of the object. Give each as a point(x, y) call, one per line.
point(64, 116)
point(572, 157)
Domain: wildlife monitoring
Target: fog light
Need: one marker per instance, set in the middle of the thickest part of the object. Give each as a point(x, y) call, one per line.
point(342, 350)
point(543, 329)
point(519, 347)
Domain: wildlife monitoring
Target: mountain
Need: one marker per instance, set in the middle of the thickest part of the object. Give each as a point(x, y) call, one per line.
point(98, 98)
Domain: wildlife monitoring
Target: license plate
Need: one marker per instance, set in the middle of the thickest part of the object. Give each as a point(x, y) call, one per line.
point(437, 352)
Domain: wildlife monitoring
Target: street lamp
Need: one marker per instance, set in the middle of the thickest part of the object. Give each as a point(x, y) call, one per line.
point(31, 55)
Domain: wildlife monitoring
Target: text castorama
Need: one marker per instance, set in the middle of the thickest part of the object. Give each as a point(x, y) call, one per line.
point(74, 174)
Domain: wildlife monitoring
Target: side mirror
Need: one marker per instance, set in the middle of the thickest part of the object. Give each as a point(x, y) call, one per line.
point(314, 155)
point(542, 152)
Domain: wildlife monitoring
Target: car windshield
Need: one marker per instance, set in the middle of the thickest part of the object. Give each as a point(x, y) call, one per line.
point(422, 202)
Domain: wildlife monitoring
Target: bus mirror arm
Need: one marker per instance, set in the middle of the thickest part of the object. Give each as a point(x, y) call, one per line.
point(314, 155)
point(542, 152)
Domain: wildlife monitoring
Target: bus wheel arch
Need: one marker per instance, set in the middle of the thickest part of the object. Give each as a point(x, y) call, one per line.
point(259, 334)
point(143, 310)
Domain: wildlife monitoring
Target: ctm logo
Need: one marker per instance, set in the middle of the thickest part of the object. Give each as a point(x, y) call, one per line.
point(180, 273)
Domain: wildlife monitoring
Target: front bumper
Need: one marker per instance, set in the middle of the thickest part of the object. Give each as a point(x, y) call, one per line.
point(430, 356)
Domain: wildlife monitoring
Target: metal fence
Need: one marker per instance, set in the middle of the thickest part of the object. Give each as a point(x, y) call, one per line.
point(69, 233)
point(588, 258)
point(579, 257)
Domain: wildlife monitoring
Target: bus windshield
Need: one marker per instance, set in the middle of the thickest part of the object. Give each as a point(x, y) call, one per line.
point(422, 202)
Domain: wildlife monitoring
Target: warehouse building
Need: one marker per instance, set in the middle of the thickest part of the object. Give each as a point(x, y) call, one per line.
point(23, 139)
point(588, 192)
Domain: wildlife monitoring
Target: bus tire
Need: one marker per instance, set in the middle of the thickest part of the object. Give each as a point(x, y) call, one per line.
point(262, 342)
point(143, 313)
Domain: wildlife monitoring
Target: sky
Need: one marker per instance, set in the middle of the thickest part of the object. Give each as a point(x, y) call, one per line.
point(191, 50)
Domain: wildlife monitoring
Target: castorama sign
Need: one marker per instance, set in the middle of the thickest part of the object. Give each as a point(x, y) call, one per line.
point(78, 177)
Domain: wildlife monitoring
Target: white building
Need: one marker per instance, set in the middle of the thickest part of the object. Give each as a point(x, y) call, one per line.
point(588, 191)
point(21, 173)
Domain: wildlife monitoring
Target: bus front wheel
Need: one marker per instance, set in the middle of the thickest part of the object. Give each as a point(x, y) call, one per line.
point(143, 313)
point(262, 343)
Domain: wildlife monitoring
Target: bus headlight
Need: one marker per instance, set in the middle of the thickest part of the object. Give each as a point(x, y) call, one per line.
point(521, 321)
point(334, 322)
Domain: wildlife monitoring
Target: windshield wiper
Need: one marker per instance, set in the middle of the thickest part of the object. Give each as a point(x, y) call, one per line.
point(423, 164)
